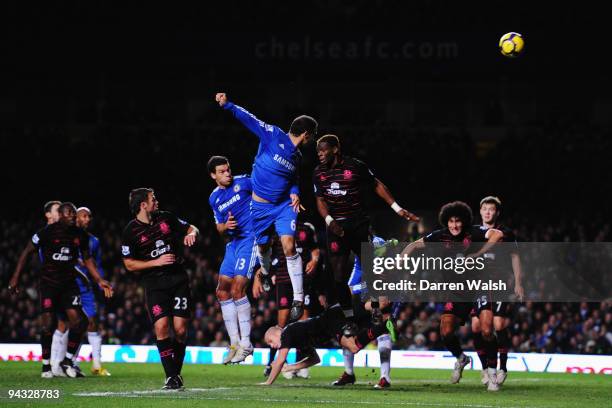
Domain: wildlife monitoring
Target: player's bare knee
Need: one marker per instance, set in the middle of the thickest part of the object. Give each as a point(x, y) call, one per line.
point(180, 333)
point(487, 332)
point(162, 329)
point(238, 289)
point(92, 326)
point(222, 295)
point(288, 245)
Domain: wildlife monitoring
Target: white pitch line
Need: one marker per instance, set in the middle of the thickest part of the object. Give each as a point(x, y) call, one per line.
point(145, 392)
point(183, 394)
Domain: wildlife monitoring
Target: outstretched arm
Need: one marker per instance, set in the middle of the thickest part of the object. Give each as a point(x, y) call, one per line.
point(307, 362)
point(410, 248)
point(277, 365)
point(190, 237)
point(20, 264)
point(93, 271)
point(261, 129)
point(384, 193)
point(493, 236)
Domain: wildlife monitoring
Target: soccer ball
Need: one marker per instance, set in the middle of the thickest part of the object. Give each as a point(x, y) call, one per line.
point(511, 44)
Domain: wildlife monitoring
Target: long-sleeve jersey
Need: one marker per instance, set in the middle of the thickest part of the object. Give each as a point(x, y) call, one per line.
point(276, 165)
point(236, 198)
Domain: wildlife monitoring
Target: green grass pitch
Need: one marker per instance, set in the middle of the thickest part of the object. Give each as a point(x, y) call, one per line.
point(138, 385)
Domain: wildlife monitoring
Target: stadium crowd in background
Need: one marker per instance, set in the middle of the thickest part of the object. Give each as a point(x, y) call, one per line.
point(537, 327)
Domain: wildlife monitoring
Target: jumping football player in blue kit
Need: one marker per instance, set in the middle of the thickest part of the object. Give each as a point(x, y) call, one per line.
point(231, 202)
point(276, 200)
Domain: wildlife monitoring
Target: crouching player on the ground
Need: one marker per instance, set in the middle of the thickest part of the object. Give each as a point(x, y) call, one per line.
point(305, 334)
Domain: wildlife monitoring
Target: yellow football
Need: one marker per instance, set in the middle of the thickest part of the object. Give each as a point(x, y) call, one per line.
point(511, 44)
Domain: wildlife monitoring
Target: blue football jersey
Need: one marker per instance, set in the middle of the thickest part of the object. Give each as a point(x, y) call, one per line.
point(96, 253)
point(236, 198)
point(276, 165)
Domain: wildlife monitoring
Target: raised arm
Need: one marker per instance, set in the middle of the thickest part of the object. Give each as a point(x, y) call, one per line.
point(383, 192)
point(25, 254)
point(261, 129)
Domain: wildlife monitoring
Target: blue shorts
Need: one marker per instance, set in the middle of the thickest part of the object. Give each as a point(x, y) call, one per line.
point(88, 303)
point(355, 282)
point(240, 258)
point(264, 215)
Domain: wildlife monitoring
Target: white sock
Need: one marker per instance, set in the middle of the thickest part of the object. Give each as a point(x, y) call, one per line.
point(230, 317)
point(384, 349)
point(243, 309)
point(95, 340)
point(294, 267)
point(55, 347)
point(265, 259)
point(63, 346)
point(349, 358)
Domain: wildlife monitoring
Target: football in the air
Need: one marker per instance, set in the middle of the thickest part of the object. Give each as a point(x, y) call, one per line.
point(511, 44)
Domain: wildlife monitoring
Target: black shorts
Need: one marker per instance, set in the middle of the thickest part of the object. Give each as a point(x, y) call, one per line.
point(284, 296)
point(355, 232)
point(484, 302)
point(57, 299)
point(462, 310)
point(171, 299)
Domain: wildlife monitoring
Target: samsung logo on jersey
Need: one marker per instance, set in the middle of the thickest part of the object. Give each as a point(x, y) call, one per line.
point(229, 202)
point(284, 162)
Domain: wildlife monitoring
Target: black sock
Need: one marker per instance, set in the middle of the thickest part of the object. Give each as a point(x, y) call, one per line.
point(480, 350)
point(503, 344)
point(299, 354)
point(272, 355)
point(452, 344)
point(179, 355)
point(46, 338)
point(74, 341)
point(491, 351)
point(364, 336)
point(166, 353)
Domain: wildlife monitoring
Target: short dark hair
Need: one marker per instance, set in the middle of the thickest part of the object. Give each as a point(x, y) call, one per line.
point(457, 209)
point(137, 197)
point(331, 140)
point(49, 204)
point(303, 124)
point(64, 205)
point(492, 200)
point(215, 161)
